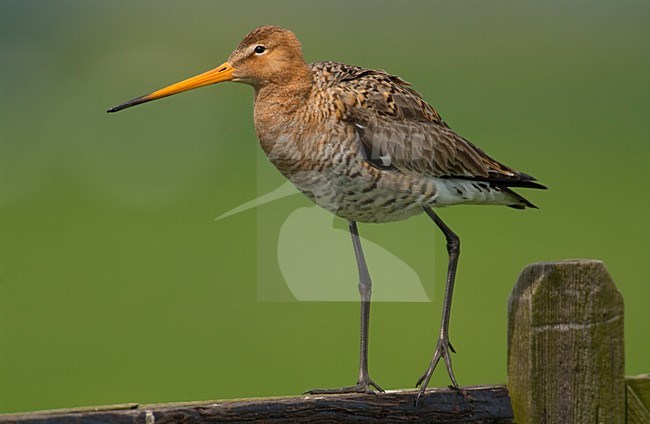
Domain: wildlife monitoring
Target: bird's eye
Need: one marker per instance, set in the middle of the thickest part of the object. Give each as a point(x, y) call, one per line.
point(259, 49)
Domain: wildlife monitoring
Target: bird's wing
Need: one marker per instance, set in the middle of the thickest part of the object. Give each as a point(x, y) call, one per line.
point(399, 131)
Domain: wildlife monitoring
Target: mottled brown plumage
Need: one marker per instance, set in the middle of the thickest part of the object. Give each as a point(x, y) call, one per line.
point(364, 145)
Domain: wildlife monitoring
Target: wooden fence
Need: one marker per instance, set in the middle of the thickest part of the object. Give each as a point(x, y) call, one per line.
point(565, 365)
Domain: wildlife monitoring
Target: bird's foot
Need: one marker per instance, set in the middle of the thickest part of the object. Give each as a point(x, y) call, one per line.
point(443, 350)
point(364, 385)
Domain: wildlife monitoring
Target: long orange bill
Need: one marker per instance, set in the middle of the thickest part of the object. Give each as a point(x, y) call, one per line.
point(218, 74)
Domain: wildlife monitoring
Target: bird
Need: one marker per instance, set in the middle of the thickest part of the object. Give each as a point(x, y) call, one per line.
point(365, 145)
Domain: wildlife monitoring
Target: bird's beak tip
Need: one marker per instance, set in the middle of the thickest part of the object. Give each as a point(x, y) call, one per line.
point(133, 102)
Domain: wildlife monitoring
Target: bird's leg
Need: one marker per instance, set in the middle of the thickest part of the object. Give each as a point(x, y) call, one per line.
point(365, 290)
point(443, 346)
point(364, 383)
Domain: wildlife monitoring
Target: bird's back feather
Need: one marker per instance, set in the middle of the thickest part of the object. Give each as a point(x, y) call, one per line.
point(400, 132)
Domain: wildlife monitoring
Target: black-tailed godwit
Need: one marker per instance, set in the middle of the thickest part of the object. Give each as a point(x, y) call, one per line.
point(364, 145)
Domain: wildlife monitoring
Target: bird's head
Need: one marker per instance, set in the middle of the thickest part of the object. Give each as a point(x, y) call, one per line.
point(268, 54)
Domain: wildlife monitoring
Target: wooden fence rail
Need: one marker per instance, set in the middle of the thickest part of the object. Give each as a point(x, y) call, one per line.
point(565, 365)
point(484, 404)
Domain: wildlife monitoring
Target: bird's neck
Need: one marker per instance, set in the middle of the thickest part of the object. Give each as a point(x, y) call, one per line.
point(287, 91)
point(278, 105)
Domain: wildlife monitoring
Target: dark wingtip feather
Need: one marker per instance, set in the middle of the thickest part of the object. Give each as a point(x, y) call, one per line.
point(520, 207)
point(524, 184)
point(525, 205)
point(524, 202)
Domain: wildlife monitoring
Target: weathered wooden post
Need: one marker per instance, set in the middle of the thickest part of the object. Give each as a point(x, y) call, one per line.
point(565, 345)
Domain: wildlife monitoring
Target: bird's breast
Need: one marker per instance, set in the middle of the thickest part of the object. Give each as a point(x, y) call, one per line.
point(299, 136)
point(321, 155)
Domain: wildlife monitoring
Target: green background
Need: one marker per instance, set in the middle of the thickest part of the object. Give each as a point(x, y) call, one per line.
point(117, 284)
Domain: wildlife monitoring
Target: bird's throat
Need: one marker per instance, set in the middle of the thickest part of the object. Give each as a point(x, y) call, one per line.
point(276, 108)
